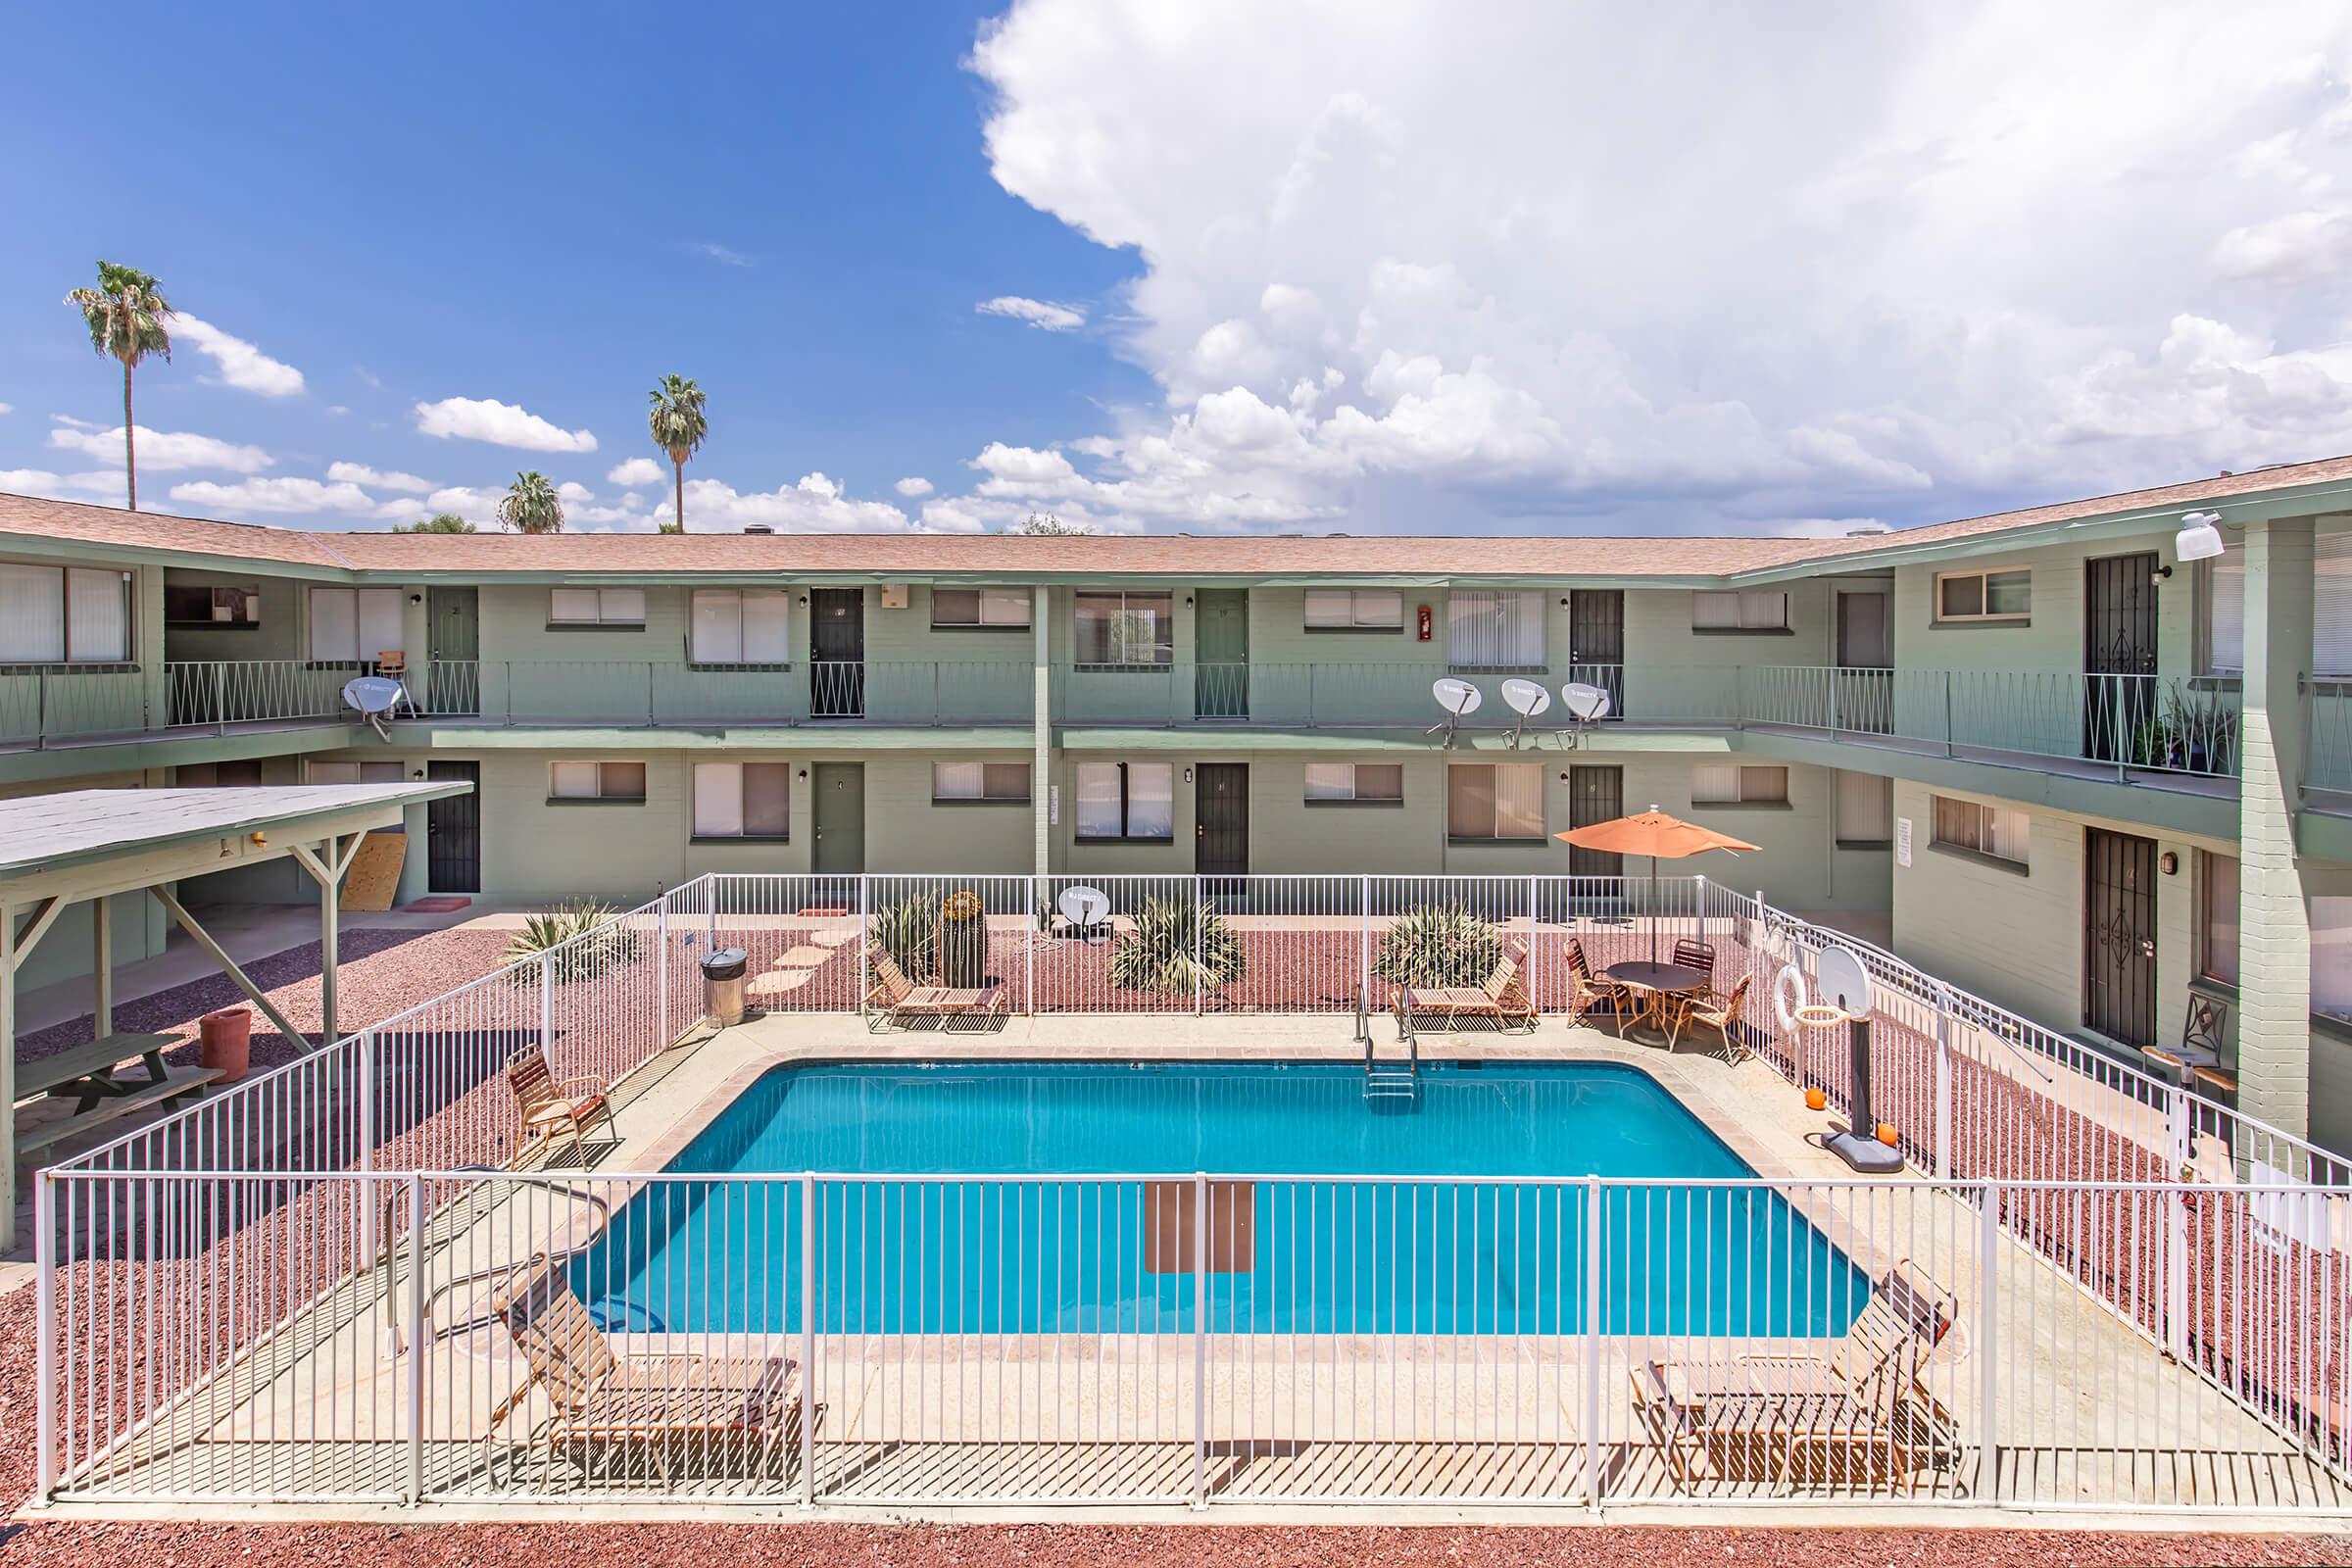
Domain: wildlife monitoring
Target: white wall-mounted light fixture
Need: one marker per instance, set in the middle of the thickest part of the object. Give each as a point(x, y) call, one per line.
point(2200, 536)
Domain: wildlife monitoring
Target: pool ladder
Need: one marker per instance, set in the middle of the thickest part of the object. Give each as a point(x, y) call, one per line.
point(1387, 1078)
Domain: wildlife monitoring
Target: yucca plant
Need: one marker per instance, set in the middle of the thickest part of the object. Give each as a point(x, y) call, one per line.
point(603, 942)
point(1438, 945)
point(909, 930)
point(1170, 943)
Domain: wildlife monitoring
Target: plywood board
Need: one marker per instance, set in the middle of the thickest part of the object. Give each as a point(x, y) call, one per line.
point(374, 880)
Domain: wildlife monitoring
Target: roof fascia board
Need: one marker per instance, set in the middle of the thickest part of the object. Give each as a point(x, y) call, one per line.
point(85, 551)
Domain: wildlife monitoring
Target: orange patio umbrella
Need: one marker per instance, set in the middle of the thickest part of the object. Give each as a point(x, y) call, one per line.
point(1661, 837)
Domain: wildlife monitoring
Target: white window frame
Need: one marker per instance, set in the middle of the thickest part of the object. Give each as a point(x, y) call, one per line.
point(1122, 779)
point(1353, 795)
point(1759, 609)
point(944, 774)
point(995, 608)
point(1164, 653)
point(1882, 811)
point(722, 807)
point(1990, 821)
point(1497, 629)
point(563, 779)
point(2207, 880)
point(1495, 834)
point(720, 613)
point(1739, 784)
point(1354, 610)
point(616, 609)
point(62, 586)
point(1983, 617)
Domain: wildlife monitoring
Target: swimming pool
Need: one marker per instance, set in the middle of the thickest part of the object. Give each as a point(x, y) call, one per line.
point(1057, 1233)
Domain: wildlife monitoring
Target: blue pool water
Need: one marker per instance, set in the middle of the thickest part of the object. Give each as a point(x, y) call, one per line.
point(1083, 1250)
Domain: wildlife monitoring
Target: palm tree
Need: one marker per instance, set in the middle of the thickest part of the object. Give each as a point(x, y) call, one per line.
point(678, 427)
point(531, 505)
point(126, 316)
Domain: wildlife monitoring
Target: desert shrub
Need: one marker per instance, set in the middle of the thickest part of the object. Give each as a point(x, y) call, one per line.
point(1440, 945)
point(909, 930)
point(1159, 954)
point(583, 941)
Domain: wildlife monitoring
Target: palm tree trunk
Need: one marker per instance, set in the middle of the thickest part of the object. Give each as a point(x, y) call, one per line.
point(130, 453)
point(679, 514)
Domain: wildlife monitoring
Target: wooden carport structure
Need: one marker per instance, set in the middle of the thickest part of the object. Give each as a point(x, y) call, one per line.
point(93, 845)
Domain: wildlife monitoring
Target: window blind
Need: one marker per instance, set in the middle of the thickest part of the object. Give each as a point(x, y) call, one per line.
point(1494, 628)
point(99, 615)
point(1865, 809)
point(33, 615)
point(718, 800)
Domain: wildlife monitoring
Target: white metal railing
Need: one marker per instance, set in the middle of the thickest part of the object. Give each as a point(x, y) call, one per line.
point(2183, 1225)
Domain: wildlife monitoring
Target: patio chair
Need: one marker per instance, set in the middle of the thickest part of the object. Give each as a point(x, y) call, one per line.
point(552, 1107)
point(892, 997)
point(1694, 955)
point(1884, 1348)
point(1502, 997)
point(668, 1408)
point(1713, 1011)
point(1788, 1438)
point(1589, 990)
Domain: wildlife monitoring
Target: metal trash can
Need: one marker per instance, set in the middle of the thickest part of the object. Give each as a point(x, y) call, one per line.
point(723, 984)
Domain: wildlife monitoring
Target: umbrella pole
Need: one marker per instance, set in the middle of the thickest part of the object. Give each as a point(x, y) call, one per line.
point(1653, 908)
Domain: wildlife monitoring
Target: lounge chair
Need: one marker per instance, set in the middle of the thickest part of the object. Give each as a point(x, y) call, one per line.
point(1712, 1011)
point(1503, 997)
point(1589, 991)
point(664, 1407)
point(552, 1107)
point(892, 997)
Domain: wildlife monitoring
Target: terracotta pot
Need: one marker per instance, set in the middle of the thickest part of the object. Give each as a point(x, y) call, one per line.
point(1815, 1100)
point(225, 1040)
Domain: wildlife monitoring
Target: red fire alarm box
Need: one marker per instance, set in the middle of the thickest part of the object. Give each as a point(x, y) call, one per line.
point(1422, 624)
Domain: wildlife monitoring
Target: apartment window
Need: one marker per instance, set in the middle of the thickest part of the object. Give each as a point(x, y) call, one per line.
point(1500, 800)
point(1995, 831)
point(352, 625)
point(337, 773)
point(1138, 629)
point(216, 605)
point(966, 609)
point(2216, 917)
point(1354, 610)
point(247, 773)
point(1974, 595)
point(63, 616)
point(1730, 784)
point(743, 801)
point(993, 782)
point(1756, 610)
point(740, 626)
point(596, 781)
point(2224, 594)
point(1493, 630)
point(1125, 799)
point(596, 607)
point(1354, 783)
point(1864, 810)
point(2332, 958)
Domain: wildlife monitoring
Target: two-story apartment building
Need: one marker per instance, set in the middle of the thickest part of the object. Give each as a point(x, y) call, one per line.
point(2037, 752)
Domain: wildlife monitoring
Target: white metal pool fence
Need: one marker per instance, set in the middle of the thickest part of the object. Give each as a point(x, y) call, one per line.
point(202, 1279)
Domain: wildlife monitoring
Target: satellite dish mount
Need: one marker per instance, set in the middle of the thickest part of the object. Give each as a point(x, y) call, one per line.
point(1459, 698)
point(1529, 700)
point(378, 698)
point(1586, 705)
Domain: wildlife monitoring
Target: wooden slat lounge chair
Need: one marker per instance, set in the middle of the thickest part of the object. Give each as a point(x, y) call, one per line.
point(1503, 997)
point(676, 1409)
point(892, 997)
point(552, 1107)
point(1589, 991)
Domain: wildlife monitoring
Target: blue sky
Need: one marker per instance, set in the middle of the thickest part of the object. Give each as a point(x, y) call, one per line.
point(1394, 266)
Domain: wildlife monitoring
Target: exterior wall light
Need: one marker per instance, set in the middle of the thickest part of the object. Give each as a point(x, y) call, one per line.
point(2198, 539)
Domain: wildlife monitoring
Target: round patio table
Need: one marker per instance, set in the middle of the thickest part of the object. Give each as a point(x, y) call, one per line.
point(1653, 982)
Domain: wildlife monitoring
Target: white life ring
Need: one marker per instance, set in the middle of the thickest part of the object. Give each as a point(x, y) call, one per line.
point(1787, 996)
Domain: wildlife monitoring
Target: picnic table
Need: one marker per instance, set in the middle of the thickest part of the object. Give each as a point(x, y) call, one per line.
point(62, 1094)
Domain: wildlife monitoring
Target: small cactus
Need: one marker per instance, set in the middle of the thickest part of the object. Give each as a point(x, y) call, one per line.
point(963, 944)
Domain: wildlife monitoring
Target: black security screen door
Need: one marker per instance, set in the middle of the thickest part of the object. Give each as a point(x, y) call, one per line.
point(1596, 642)
point(2119, 658)
point(453, 830)
point(837, 652)
point(2119, 936)
point(1595, 794)
point(1222, 821)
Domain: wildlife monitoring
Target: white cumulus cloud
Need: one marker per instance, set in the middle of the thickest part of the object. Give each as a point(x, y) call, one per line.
point(504, 424)
point(1048, 316)
point(236, 362)
point(914, 488)
point(158, 450)
point(818, 504)
point(274, 493)
point(636, 471)
point(377, 478)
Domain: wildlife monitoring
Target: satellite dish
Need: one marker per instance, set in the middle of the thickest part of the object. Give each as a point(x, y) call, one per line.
point(1527, 698)
point(1083, 906)
point(375, 697)
point(1587, 703)
point(1459, 698)
point(1840, 981)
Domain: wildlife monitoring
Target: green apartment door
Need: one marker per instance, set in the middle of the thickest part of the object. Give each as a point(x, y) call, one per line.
point(1221, 664)
point(839, 814)
point(453, 681)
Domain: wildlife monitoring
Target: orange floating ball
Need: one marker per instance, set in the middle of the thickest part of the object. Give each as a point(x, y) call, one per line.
point(1886, 1134)
point(1815, 1100)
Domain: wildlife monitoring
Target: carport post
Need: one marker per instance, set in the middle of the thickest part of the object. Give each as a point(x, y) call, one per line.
point(8, 1078)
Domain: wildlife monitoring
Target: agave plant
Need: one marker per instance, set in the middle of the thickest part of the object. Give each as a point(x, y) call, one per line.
point(909, 930)
point(1171, 944)
point(1438, 945)
point(582, 941)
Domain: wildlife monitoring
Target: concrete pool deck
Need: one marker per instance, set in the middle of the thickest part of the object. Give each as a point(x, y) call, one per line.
point(2089, 1414)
